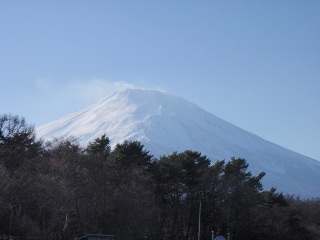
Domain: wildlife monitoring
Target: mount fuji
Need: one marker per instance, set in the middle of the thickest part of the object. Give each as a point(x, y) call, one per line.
point(165, 123)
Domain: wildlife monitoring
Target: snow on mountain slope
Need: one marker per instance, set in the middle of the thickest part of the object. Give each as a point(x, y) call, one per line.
point(165, 123)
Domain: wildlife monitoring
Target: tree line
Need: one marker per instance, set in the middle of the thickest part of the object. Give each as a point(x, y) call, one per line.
point(60, 190)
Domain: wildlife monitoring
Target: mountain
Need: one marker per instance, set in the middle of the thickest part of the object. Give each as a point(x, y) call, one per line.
point(165, 123)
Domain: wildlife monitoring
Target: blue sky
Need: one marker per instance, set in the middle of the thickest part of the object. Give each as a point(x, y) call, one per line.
point(253, 63)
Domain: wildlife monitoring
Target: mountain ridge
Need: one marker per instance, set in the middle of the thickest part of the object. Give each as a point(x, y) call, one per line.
point(165, 123)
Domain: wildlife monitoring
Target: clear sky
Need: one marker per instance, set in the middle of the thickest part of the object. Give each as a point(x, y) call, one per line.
point(253, 63)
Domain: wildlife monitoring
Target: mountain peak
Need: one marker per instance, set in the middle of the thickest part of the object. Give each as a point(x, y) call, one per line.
point(165, 123)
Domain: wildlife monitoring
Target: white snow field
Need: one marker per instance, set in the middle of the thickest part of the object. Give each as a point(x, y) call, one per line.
point(165, 123)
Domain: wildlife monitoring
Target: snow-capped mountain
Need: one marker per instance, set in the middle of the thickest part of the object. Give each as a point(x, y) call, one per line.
point(165, 123)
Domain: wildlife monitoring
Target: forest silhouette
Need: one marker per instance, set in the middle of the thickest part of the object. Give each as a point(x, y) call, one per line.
point(60, 190)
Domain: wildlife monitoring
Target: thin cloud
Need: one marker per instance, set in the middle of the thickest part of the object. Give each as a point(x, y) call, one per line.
point(69, 95)
point(82, 92)
point(87, 91)
point(96, 88)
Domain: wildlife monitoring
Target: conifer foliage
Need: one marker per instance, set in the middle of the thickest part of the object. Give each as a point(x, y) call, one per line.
point(60, 190)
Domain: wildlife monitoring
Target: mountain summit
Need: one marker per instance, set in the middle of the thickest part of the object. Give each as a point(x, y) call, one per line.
point(165, 123)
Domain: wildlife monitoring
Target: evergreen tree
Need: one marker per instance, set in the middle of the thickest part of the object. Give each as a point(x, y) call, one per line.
point(63, 190)
point(100, 147)
point(131, 211)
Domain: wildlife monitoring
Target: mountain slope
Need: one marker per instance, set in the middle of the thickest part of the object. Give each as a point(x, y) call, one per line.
point(165, 123)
